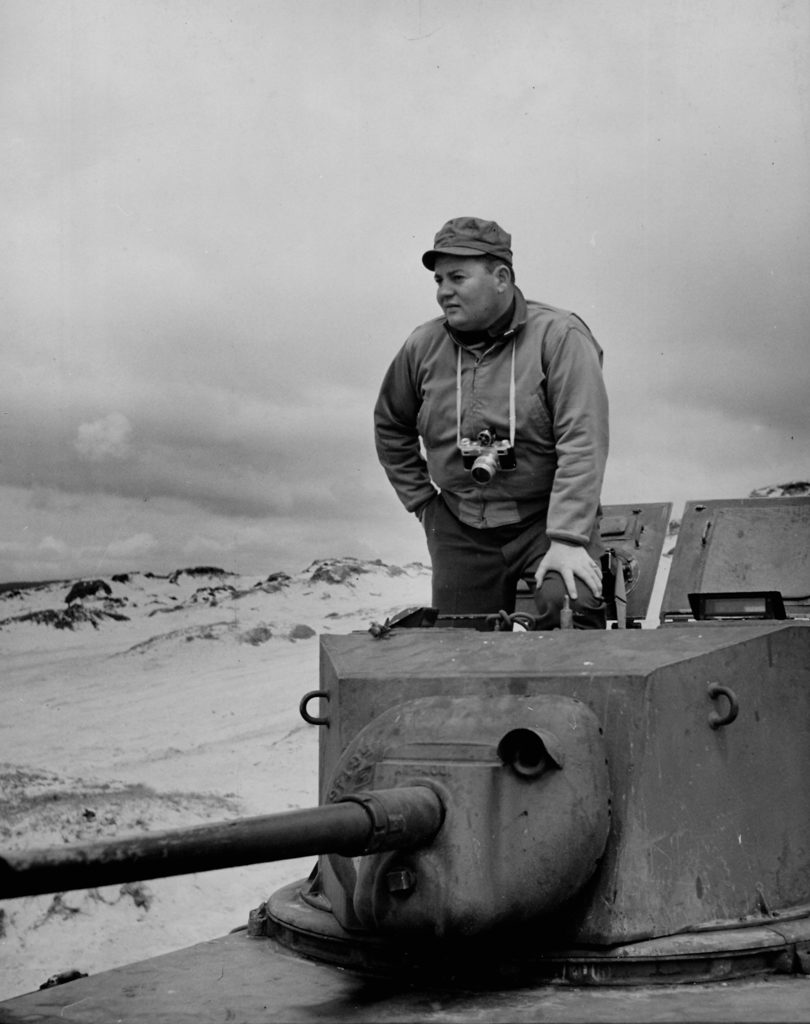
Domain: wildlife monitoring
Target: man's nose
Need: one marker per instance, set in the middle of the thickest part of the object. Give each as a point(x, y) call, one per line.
point(444, 290)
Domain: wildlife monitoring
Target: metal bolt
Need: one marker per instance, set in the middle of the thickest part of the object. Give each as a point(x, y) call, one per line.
point(802, 961)
point(257, 921)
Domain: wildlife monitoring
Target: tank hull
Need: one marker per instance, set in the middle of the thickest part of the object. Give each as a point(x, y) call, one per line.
point(237, 978)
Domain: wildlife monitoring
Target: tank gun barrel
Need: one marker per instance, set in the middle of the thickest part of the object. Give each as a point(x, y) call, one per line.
point(388, 819)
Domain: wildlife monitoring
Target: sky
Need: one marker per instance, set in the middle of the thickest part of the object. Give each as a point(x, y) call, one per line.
point(213, 213)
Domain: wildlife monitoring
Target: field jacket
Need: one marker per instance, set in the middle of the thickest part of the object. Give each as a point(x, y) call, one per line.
point(561, 439)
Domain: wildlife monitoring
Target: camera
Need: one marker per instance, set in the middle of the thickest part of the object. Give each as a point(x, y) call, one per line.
point(486, 455)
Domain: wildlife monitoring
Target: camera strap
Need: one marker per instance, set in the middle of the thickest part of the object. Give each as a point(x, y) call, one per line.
point(512, 416)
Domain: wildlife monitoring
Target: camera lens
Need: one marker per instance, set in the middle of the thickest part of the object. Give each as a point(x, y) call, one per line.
point(484, 468)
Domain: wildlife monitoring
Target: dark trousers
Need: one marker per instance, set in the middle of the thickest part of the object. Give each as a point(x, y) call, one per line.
point(476, 572)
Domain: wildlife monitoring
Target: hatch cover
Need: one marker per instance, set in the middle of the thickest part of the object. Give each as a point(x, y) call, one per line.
point(739, 546)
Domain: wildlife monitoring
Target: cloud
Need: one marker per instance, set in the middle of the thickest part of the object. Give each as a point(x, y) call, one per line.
point(132, 547)
point(293, 450)
point(52, 546)
point(106, 438)
point(214, 228)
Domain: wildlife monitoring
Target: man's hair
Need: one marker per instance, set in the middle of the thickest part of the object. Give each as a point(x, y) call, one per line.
point(492, 263)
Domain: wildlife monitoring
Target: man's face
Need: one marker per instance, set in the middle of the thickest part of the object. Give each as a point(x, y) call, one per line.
point(471, 296)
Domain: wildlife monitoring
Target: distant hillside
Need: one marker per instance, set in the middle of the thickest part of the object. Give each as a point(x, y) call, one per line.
point(209, 601)
point(30, 585)
point(350, 566)
point(796, 489)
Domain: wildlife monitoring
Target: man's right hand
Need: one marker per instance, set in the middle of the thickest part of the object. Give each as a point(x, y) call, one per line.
point(420, 512)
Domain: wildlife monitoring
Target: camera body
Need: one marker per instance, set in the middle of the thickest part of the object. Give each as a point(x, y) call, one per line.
point(485, 456)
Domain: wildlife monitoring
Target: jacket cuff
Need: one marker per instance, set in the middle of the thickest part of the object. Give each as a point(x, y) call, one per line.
point(574, 540)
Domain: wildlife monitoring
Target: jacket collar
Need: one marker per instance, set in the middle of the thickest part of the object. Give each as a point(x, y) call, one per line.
point(519, 316)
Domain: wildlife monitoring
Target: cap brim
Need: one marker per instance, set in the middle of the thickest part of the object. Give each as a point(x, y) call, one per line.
point(429, 258)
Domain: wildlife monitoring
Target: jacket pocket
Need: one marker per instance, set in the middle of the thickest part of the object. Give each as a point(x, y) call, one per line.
point(535, 427)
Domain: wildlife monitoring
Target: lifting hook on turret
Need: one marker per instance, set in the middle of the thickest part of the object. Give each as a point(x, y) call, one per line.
point(716, 720)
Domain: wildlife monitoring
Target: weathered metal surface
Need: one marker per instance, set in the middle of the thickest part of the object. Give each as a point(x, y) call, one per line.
point(721, 953)
point(699, 828)
point(378, 821)
point(739, 545)
point(236, 978)
point(516, 842)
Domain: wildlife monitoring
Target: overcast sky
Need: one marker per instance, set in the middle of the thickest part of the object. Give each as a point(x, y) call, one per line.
point(212, 221)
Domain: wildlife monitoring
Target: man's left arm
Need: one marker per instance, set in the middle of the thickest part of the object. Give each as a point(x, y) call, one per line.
point(578, 402)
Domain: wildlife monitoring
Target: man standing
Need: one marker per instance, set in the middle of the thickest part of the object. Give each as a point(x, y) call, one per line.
point(507, 398)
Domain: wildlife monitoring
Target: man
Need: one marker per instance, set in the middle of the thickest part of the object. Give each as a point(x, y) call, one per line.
point(508, 400)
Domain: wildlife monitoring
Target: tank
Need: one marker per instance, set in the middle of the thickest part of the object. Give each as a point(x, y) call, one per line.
point(524, 825)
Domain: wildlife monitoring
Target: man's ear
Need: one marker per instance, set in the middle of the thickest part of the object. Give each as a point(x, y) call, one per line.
point(503, 277)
